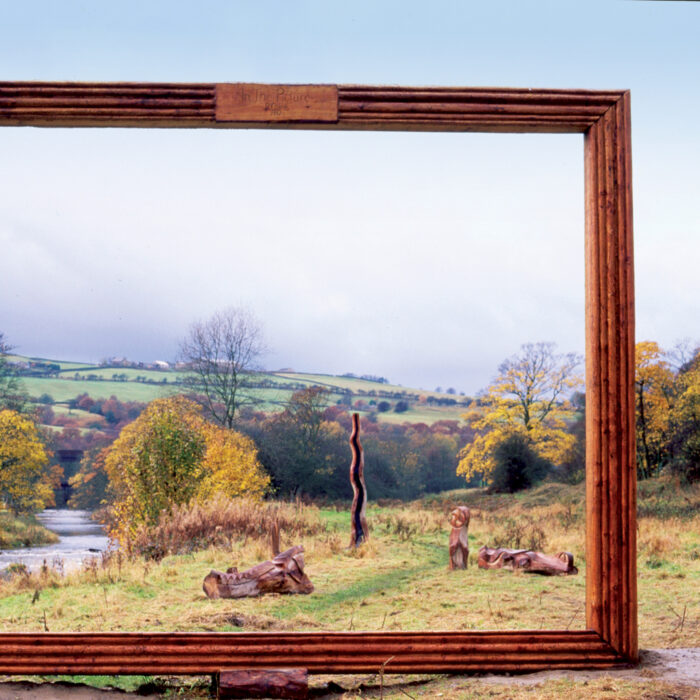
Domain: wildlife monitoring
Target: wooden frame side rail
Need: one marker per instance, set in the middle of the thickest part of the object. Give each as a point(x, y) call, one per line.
point(611, 594)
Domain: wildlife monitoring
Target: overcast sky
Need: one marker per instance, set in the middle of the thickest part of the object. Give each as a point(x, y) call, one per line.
point(426, 258)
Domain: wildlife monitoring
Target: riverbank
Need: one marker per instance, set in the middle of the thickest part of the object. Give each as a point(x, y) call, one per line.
point(23, 531)
point(74, 539)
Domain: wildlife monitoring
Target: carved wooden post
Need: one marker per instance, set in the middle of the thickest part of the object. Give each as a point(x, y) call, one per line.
point(275, 537)
point(359, 530)
point(459, 538)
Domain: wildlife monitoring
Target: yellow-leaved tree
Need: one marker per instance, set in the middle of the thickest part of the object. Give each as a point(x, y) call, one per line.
point(684, 423)
point(171, 455)
point(231, 466)
point(527, 398)
point(25, 485)
point(655, 392)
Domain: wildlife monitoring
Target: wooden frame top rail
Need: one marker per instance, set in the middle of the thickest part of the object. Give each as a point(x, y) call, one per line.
point(611, 594)
point(181, 105)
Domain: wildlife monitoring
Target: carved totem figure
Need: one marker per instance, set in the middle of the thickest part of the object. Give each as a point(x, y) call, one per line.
point(459, 538)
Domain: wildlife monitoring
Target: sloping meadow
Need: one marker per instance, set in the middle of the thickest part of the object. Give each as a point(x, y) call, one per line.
point(399, 580)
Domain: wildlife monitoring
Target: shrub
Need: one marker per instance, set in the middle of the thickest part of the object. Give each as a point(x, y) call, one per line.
point(220, 520)
point(517, 465)
point(170, 455)
point(520, 532)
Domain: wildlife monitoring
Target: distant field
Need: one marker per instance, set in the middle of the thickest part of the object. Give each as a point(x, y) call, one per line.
point(61, 410)
point(131, 374)
point(357, 385)
point(423, 414)
point(65, 389)
point(63, 365)
point(272, 399)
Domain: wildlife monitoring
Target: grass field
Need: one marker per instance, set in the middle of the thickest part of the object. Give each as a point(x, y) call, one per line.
point(65, 387)
point(357, 385)
point(108, 372)
point(397, 581)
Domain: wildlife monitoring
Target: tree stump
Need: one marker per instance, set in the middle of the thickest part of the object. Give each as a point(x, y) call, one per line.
point(359, 532)
point(459, 538)
point(283, 574)
point(528, 561)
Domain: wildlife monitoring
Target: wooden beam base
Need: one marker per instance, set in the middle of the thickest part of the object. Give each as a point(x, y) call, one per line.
point(290, 683)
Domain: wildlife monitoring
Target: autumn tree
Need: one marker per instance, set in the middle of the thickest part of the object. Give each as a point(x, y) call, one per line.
point(684, 422)
point(170, 455)
point(222, 353)
point(231, 466)
point(25, 478)
point(89, 484)
point(528, 397)
point(12, 393)
point(654, 396)
point(304, 452)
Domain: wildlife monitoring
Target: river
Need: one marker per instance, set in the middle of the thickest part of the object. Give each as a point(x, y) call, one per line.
point(80, 538)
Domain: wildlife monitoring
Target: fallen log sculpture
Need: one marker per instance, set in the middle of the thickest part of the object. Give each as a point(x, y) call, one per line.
point(528, 561)
point(459, 538)
point(283, 574)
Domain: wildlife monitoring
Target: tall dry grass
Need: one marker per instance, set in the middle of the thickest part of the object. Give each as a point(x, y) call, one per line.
point(220, 521)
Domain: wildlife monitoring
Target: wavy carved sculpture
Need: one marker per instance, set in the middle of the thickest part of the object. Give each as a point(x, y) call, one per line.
point(528, 561)
point(359, 532)
point(459, 538)
point(282, 574)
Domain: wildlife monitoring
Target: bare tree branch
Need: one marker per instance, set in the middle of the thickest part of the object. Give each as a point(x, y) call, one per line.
point(222, 353)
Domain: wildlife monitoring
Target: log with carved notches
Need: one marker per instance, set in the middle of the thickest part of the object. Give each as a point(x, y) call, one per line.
point(283, 574)
point(526, 560)
point(359, 531)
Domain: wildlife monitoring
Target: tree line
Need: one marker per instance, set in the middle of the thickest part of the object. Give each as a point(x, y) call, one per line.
point(528, 423)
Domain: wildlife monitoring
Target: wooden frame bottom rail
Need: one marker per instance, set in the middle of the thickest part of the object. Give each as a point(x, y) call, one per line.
point(319, 652)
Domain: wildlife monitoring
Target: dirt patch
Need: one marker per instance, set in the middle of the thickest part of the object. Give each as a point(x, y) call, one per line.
point(24, 690)
point(672, 665)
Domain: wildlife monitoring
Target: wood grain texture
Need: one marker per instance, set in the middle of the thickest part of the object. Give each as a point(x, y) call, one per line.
point(359, 532)
point(357, 107)
point(106, 104)
point(611, 609)
point(319, 652)
point(290, 683)
point(611, 469)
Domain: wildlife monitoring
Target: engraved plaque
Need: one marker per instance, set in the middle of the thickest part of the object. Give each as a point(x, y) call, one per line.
point(253, 102)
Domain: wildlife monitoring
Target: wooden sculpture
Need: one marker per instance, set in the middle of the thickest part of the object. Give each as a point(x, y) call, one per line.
point(459, 538)
point(526, 560)
point(283, 574)
point(358, 522)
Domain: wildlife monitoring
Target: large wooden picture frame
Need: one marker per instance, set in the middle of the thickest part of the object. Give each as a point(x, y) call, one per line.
point(610, 637)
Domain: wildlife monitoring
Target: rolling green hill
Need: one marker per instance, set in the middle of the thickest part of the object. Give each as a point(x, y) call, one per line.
point(273, 389)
